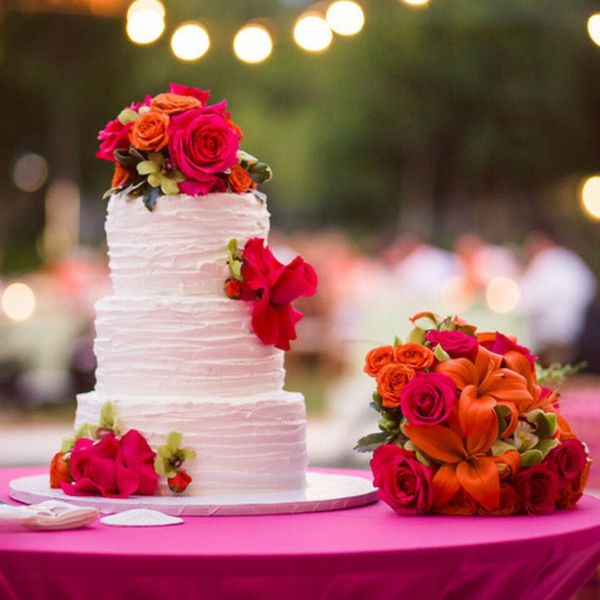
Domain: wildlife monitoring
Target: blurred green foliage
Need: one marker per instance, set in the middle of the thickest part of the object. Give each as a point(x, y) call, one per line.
point(469, 114)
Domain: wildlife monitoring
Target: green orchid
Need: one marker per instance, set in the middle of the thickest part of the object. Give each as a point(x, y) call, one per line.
point(170, 457)
point(158, 176)
point(107, 424)
point(234, 260)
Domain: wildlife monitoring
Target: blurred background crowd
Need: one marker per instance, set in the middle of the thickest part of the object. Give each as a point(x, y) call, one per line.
point(440, 154)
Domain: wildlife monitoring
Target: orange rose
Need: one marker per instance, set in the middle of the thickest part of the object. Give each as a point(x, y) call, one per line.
point(390, 381)
point(172, 104)
point(60, 470)
point(377, 358)
point(236, 128)
point(149, 132)
point(239, 180)
point(510, 502)
point(414, 355)
point(122, 175)
point(460, 504)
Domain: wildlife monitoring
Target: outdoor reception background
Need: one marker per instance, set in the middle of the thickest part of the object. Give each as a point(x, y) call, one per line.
point(443, 156)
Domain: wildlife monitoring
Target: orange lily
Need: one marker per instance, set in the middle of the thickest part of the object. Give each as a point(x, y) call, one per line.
point(484, 385)
point(465, 458)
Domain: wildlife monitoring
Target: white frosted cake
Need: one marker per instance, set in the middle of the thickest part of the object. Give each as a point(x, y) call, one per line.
point(174, 353)
point(189, 391)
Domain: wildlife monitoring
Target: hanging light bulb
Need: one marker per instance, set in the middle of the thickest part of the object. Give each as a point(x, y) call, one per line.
point(589, 197)
point(312, 32)
point(416, 2)
point(593, 28)
point(345, 17)
point(190, 41)
point(253, 43)
point(145, 21)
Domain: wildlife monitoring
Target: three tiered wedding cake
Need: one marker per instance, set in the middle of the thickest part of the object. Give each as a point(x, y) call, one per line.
point(190, 346)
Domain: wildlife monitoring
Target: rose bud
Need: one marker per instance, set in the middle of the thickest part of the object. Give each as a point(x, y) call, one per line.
point(179, 482)
point(233, 289)
point(60, 470)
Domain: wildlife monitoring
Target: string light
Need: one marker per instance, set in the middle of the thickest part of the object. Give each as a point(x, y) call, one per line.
point(593, 28)
point(18, 301)
point(145, 21)
point(253, 43)
point(312, 33)
point(503, 295)
point(190, 41)
point(416, 2)
point(345, 17)
point(589, 197)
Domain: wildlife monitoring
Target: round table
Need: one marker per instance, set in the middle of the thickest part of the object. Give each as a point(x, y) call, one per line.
point(368, 552)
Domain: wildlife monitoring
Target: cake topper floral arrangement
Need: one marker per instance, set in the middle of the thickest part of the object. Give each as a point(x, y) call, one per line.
point(175, 142)
point(467, 426)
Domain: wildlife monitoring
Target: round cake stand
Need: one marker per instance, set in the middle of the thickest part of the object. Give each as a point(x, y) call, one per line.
point(324, 491)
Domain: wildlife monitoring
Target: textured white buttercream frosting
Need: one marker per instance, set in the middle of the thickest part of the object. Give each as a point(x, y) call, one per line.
point(175, 354)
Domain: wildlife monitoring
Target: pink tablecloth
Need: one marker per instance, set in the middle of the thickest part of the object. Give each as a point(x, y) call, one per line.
point(361, 553)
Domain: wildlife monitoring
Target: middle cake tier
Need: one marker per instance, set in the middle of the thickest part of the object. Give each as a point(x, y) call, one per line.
point(178, 345)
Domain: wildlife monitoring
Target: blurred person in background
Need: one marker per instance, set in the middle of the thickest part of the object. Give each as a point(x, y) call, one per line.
point(557, 290)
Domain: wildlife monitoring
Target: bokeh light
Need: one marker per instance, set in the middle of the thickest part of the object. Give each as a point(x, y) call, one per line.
point(190, 41)
point(30, 172)
point(503, 295)
point(589, 197)
point(312, 33)
point(18, 301)
point(457, 295)
point(345, 17)
point(253, 43)
point(593, 27)
point(145, 21)
point(416, 2)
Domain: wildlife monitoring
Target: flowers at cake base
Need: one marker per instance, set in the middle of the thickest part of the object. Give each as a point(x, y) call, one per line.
point(169, 462)
point(175, 142)
point(258, 277)
point(467, 427)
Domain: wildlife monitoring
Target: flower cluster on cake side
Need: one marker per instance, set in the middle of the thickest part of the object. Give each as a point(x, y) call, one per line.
point(175, 142)
point(467, 426)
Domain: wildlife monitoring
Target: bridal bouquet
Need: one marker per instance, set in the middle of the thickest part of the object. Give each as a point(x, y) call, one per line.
point(467, 426)
point(177, 142)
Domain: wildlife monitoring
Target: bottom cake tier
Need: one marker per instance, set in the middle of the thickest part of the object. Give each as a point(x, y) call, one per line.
point(243, 446)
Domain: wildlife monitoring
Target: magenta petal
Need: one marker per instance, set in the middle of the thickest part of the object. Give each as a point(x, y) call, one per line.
point(128, 481)
point(297, 279)
point(135, 449)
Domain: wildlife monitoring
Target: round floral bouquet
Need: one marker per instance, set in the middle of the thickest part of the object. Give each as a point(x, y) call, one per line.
point(468, 427)
point(176, 142)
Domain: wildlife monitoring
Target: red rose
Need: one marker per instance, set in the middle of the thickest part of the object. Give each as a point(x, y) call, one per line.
point(538, 488)
point(427, 398)
point(501, 344)
point(569, 459)
point(456, 343)
point(460, 504)
point(114, 468)
point(404, 483)
point(274, 287)
point(510, 502)
point(202, 144)
point(179, 482)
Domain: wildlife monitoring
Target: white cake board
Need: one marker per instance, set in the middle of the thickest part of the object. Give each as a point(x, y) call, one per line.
point(324, 491)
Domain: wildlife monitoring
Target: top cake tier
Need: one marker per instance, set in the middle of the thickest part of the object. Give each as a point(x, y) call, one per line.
point(180, 247)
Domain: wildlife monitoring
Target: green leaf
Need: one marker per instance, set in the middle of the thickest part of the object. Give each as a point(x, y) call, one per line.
point(501, 447)
point(136, 153)
point(440, 353)
point(127, 115)
point(150, 198)
point(245, 157)
point(108, 193)
point(67, 444)
point(188, 454)
point(425, 323)
point(422, 458)
point(387, 424)
point(368, 443)
point(416, 336)
point(146, 167)
point(397, 341)
point(127, 160)
point(174, 440)
point(260, 172)
point(408, 445)
point(375, 406)
point(531, 457)
point(544, 446)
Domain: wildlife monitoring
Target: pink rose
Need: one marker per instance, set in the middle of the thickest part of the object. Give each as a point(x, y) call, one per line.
point(194, 92)
point(273, 287)
point(427, 398)
point(538, 488)
point(502, 344)
point(113, 468)
point(404, 483)
point(115, 136)
point(569, 459)
point(456, 343)
point(200, 187)
point(202, 144)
